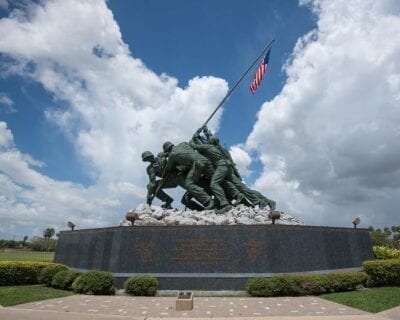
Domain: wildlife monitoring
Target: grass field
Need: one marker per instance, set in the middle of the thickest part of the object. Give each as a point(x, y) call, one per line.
point(26, 256)
point(11, 296)
point(370, 300)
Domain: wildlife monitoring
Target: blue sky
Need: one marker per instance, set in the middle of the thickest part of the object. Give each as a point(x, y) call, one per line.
point(218, 38)
point(318, 136)
point(183, 39)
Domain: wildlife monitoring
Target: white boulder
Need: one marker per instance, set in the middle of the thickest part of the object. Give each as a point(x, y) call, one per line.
point(157, 216)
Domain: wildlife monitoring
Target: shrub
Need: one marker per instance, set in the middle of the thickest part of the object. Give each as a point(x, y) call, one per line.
point(382, 252)
point(94, 282)
point(63, 279)
point(383, 272)
point(290, 285)
point(20, 272)
point(285, 285)
point(47, 274)
point(345, 281)
point(312, 284)
point(261, 287)
point(141, 285)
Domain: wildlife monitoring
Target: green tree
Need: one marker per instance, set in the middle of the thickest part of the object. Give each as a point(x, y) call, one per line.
point(396, 232)
point(48, 233)
point(388, 237)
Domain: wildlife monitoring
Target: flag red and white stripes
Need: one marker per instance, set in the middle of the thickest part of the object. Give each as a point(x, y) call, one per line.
point(262, 69)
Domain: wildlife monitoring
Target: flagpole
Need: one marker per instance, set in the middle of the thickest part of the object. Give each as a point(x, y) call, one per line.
point(267, 47)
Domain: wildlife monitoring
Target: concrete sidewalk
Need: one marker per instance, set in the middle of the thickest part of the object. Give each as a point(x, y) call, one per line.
point(393, 314)
point(204, 307)
point(124, 307)
point(23, 314)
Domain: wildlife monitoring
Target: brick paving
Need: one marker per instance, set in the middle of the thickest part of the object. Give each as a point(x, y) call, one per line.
point(164, 307)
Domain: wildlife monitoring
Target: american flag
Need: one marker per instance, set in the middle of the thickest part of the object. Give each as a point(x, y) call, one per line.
point(262, 69)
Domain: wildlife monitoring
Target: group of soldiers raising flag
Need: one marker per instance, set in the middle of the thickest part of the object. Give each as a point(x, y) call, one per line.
point(205, 170)
point(203, 167)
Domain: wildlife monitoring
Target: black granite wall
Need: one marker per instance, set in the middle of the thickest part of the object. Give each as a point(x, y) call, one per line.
point(213, 257)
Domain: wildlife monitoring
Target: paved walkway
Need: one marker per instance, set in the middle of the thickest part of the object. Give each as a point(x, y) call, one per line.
point(123, 307)
point(393, 314)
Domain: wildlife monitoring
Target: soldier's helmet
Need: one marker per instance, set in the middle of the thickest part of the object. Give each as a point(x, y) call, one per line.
point(147, 155)
point(214, 140)
point(167, 146)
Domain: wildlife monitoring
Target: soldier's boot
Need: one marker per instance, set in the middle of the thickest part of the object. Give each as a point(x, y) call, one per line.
point(241, 199)
point(262, 204)
point(270, 203)
point(167, 204)
point(224, 209)
point(238, 199)
point(210, 205)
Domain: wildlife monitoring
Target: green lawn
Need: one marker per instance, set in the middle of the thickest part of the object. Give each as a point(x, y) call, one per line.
point(26, 256)
point(370, 300)
point(10, 296)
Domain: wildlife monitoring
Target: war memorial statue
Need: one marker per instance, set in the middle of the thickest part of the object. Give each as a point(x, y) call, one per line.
point(204, 168)
point(206, 171)
point(228, 234)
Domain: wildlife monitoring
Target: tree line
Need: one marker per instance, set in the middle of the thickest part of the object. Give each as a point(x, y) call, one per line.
point(36, 243)
point(387, 237)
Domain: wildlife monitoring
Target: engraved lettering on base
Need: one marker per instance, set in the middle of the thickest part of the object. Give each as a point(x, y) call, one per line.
point(145, 250)
point(204, 251)
point(254, 250)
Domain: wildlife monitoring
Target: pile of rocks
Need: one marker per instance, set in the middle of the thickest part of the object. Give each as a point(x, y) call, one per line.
point(145, 215)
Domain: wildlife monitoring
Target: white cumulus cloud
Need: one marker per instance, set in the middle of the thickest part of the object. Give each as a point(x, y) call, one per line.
point(114, 107)
point(242, 159)
point(7, 103)
point(33, 200)
point(6, 137)
point(329, 141)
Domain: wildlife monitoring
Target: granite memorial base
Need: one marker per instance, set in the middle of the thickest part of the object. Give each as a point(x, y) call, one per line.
point(213, 257)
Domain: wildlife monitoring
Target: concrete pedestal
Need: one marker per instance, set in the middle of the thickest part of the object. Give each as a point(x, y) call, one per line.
point(184, 301)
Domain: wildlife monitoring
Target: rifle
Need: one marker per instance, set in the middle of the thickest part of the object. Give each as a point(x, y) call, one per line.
point(160, 183)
